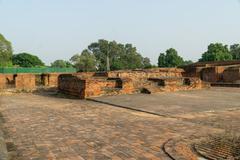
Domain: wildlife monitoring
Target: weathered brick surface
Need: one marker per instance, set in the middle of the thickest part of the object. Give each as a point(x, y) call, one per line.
point(126, 82)
point(147, 73)
point(51, 79)
point(7, 81)
point(52, 128)
point(214, 71)
point(98, 87)
point(25, 81)
point(213, 74)
point(72, 85)
point(232, 75)
point(2, 81)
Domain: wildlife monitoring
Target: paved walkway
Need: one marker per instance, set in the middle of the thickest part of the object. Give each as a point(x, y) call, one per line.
point(49, 128)
point(182, 102)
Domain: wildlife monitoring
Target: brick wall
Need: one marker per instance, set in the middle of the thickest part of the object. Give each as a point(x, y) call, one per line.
point(86, 85)
point(51, 79)
point(232, 75)
point(7, 81)
point(2, 81)
point(25, 81)
point(72, 85)
point(212, 74)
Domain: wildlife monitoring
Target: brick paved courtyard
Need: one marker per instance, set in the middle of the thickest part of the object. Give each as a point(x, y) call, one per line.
point(47, 127)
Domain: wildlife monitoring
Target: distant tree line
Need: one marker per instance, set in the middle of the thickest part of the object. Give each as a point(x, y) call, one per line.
point(110, 55)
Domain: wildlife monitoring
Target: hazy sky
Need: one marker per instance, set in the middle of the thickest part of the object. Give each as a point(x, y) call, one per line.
point(57, 29)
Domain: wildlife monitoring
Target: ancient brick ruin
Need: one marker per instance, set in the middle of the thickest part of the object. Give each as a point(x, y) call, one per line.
point(28, 82)
point(222, 73)
point(85, 85)
point(93, 84)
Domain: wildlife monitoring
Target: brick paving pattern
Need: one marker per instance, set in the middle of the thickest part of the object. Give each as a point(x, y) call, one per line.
point(49, 128)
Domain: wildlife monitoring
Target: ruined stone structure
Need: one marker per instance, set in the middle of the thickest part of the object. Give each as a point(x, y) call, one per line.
point(28, 81)
point(92, 84)
point(221, 72)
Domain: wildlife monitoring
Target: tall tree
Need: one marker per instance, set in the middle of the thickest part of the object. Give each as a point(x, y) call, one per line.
point(235, 51)
point(27, 60)
point(170, 59)
point(85, 61)
point(162, 60)
point(61, 64)
point(216, 52)
point(5, 52)
point(120, 56)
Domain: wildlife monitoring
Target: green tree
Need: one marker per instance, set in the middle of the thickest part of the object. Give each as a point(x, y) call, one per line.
point(147, 63)
point(162, 60)
point(235, 51)
point(85, 61)
point(187, 62)
point(216, 52)
point(27, 60)
point(5, 52)
point(170, 59)
point(61, 64)
point(120, 56)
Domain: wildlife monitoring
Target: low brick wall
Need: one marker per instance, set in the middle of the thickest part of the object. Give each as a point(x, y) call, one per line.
point(7, 81)
point(232, 75)
point(86, 85)
point(99, 87)
point(147, 73)
point(25, 82)
point(212, 74)
point(72, 85)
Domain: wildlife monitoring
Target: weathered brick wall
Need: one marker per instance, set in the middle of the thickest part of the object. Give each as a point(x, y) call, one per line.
point(51, 79)
point(175, 84)
point(72, 85)
point(192, 71)
point(125, 82)
point(147, 73)
point(7, 81)
point(213, 74)
point(25, 81)
point(140, 77)
point(211, 71)
point(99, 87)
point(232, 75)
point(86, 75)
point(2, 81)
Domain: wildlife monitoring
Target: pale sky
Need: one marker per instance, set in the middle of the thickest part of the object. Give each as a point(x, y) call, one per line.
point(58, 29)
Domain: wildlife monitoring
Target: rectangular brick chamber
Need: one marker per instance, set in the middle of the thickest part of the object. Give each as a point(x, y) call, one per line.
point(27, 81)
point(85, 85)
point(221, 72)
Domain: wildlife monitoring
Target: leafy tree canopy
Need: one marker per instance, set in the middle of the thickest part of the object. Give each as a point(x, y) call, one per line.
point(61, 64)
point(121, 56)
point(170, 59)
point(235, 51)
point(85, 61)
point(5, 52)
point(216, 52)
point(27, 60)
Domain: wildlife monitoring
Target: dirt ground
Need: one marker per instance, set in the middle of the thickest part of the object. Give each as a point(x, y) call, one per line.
point(48, 127)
